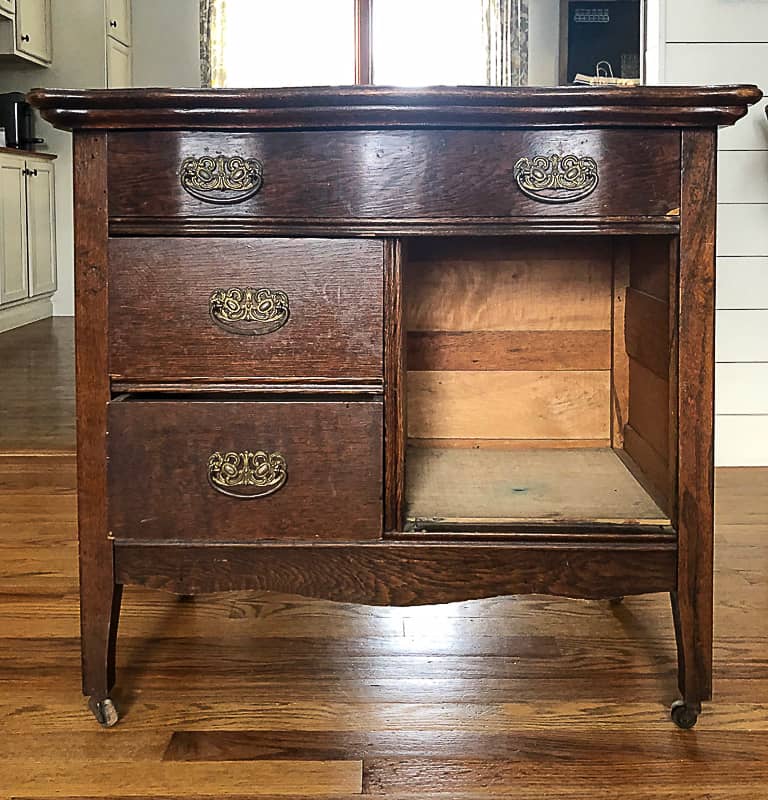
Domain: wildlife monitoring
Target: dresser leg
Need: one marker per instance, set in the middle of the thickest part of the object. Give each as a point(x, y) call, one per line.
point(101, 615)
point(694, 676)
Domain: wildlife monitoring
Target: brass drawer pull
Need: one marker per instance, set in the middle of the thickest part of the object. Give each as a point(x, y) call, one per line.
point(557, 179)
point(249, 312)
point(221, 180)
point(248, 474)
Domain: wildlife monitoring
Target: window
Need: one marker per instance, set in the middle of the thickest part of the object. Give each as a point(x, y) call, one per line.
point(297, 43)
point(428, 42)
point(261, 43)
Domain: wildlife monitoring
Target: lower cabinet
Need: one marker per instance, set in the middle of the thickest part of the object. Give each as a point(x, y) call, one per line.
point(27, 237)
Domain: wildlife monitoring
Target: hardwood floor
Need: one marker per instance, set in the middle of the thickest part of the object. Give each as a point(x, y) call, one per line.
point(37, 387)
point(252, 695)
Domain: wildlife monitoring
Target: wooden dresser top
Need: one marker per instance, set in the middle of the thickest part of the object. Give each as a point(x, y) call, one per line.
point(389, 107)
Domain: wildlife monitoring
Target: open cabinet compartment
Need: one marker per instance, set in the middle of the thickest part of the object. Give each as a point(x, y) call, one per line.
point(541, 382)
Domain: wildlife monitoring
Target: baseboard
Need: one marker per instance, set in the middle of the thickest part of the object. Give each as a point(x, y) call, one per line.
point(23, 313)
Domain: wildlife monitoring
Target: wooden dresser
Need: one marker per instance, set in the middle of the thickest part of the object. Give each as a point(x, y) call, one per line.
point(396, 347)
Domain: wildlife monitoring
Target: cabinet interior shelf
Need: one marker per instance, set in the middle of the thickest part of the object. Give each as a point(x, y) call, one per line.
point(466, 486)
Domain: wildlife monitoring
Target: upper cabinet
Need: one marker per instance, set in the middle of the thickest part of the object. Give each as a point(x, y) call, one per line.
point(25, 30)
point(33, 28)
point(119, 20)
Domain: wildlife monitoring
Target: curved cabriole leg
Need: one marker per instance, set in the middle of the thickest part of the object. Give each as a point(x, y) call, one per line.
point(693, 677)
point(99, 640)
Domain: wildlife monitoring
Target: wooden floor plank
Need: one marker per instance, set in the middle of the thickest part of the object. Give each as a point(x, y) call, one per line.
point(527, 697)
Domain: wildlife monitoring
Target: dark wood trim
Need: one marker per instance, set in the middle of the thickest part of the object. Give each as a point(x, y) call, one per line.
point(696, 413)
point(672, 348)
point(363, 42)
point(394, 385)
point(388, 573)
point(390, 107)
point(335, 228)
point(374, 388)
point(99, 597)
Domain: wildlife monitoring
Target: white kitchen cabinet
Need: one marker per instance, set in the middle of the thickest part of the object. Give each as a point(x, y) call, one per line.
point(119, 20)
point(8, 6)
point(14, 271)
point(27, 238)
point(41, 227)
point(119, 65)
point(33, 29)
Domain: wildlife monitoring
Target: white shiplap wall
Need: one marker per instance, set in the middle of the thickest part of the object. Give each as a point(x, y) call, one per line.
point(726, 41)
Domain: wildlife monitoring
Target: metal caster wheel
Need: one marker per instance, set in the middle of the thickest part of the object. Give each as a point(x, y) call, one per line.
point(684, 715)
point(104, 711)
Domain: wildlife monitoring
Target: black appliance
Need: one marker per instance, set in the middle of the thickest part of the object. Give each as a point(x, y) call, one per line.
point(18, 120)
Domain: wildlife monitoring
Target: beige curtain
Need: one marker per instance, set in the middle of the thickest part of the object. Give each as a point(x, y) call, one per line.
point(212, 27)
point(505, 24)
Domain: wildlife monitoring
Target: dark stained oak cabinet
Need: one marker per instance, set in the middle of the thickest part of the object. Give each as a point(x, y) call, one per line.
point(397, 347)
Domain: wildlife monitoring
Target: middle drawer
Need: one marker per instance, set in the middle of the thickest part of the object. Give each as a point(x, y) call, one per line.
point(243, 309)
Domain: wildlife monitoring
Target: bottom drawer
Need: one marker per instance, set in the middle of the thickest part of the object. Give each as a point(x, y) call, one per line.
point(201, 470)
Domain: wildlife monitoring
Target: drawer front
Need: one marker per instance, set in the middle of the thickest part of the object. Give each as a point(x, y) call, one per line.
point(229, 309)
point(416, 174)
point(245, 471)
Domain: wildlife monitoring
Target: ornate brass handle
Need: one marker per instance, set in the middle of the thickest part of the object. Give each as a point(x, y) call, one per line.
point(249, 312)
point(556, 178)
point(247, 474)
point(223, 180)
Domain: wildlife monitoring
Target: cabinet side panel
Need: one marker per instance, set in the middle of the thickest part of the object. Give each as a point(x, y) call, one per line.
point(696, 411)
point(96, 560)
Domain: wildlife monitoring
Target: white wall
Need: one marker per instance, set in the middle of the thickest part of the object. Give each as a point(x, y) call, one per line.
point(726, 41)
point(166, 43)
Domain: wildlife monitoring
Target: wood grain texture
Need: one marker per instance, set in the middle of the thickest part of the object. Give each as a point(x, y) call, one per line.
point(522, 284)
point(696, 415)
point(161, 328)
point(37, 390)
point(519, 681)
point(509, 350)
point(401, 574)
point(647, 332)
point(619, 357)
point(514, 405)
point(384, 106)
point(649, 407)
point(99, 593)
point(158, 477)
point(380, 174)
point(394, 385)
point(577, 485)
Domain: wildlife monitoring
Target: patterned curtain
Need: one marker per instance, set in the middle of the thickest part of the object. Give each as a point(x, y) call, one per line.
point(505, 24)
point(212, 29)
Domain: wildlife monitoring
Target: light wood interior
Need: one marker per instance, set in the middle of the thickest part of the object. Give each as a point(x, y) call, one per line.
point(524, 351)
point(531, 485)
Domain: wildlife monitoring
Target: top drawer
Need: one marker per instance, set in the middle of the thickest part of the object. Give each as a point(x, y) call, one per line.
point(397, 175)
